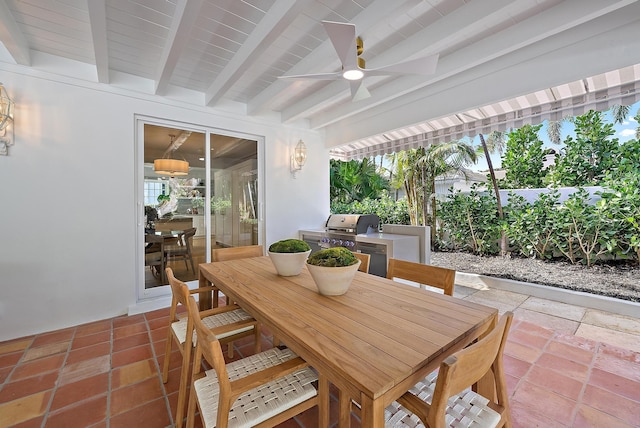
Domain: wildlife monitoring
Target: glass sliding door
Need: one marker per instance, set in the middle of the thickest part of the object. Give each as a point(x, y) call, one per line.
point(174, 192)
point(234, 195)
point(198, 189)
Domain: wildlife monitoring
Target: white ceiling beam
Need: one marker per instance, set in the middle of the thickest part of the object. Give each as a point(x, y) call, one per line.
point(184, 19)
point(560, 18)
point(372, 14)
point(12, 37)
point(98, 22)
point(275, 21)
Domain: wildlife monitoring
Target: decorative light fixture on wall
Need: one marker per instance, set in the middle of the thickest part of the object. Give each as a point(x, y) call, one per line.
point(6, 121)
point(298, 158)
point(169, 166)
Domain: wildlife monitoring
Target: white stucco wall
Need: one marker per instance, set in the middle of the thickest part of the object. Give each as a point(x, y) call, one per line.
point(67, 195)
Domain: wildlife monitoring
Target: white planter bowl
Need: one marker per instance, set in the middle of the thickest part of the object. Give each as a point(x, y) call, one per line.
point(333, 281)
point(289, 264)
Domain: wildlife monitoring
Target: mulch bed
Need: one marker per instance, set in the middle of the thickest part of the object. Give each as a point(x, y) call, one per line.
point(620, 280)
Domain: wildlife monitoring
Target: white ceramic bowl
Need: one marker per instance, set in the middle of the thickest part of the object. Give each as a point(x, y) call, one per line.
point(333, 281)
point(289, 264)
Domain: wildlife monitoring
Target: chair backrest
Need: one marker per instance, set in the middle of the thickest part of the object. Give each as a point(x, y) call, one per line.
point(233, 253)
point(179, 294)
point(156, 241)
point(207, 346)
point(467, 366)
point(365, 259)
point(433, 276)
point(187, 237)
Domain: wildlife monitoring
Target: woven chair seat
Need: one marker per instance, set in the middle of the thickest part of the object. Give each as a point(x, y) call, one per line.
point(466, 409)
point(263, 402)
point(218, 320)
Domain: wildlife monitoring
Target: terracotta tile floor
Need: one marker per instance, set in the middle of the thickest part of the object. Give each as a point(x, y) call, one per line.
point(106, 374)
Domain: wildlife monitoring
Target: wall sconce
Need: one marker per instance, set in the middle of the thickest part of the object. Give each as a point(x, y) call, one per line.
point(6, 121)
point(298, 158)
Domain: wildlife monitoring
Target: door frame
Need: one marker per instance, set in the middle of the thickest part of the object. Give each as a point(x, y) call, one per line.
point(158, 297)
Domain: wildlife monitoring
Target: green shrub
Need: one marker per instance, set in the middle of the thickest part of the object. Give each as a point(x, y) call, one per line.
point(333, 257)
point(388, 209)
point(289, 246)
point(531, 227)
point(470, 221)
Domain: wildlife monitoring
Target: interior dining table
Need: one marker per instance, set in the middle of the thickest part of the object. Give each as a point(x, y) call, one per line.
point(373, 342)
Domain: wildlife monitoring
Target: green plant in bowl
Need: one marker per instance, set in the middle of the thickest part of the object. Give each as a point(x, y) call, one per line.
point(333, 257)
point(289, 246)
point(288, 256)
point(333, 269)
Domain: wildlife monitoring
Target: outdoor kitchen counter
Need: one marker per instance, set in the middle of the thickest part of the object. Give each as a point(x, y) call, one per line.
point(396, 246)
point(383, 238)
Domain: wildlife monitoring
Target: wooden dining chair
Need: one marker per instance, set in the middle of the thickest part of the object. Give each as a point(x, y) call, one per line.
point(446, 397)
point(183, 248)
point(154, 256)
point(228, 323)
point(365, 259)
point(433, 276)
point(234, 253)
point(262, 390)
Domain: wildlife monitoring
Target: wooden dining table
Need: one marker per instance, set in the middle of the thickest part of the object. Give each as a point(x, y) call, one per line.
point(373, 343)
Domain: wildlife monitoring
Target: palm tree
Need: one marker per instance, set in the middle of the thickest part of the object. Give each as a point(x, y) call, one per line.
point(442, 160)
point(354, 181)
point(553, 131)
point(416, 170)
point(620, 113)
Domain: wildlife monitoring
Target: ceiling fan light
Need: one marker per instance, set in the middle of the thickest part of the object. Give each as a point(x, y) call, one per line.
point(353, 74)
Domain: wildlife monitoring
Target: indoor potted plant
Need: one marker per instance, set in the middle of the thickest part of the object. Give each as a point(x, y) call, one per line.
point(333, 269)
point(288, 256)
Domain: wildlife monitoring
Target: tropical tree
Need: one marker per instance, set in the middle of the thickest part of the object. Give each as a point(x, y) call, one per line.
point(416, 171)
point(495, 142)
point(524, 159)
point(441, 160)
point(355, 181)
point(620, 113)
point(586, 158)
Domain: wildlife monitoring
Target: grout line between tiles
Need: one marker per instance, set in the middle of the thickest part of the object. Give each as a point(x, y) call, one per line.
point(585, 383)
point(107, 416)
point(54, 390)
point(159, 369)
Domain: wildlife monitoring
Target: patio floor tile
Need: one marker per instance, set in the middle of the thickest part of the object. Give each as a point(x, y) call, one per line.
point(107, 373)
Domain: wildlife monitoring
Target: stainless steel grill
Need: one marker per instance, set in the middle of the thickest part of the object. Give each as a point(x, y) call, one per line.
point(341, 229)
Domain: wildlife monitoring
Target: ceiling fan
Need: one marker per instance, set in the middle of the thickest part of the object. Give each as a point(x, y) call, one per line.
point(349, 48)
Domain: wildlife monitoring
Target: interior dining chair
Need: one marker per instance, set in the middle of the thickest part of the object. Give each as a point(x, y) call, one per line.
point(365, 259)
point(234, 253)
point(182, 249)
point(446, 398)
point(154, 255)
point(262, 390)
point(433, 276)
point(227, 323)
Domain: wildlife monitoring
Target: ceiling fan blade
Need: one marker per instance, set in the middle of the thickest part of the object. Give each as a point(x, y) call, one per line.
point(424, 66)
point(318, 76)
point(343, 37)
point(358, 90)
